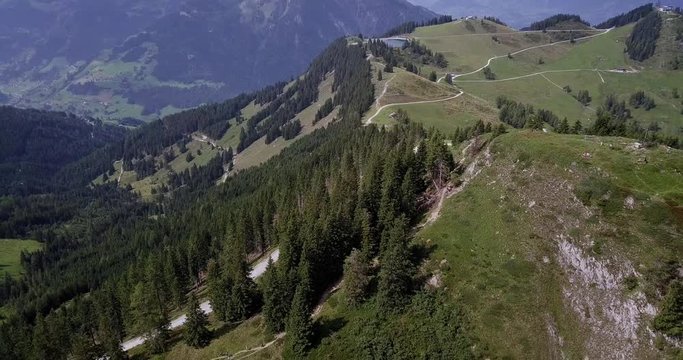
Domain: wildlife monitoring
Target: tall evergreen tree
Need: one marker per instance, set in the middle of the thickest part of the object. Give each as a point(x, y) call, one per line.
point(299, 325)
point(356, 278)
point(196, 333)
point(220, 289)
point(395, 276)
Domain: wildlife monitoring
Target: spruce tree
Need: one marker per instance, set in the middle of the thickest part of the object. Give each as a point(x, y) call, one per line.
point(577, 128)
point(432, 76)
point(356, 278)
point(564, 127)
point(243, 299)
point(379, 75)
point(219, 290)
point(299, 325)
point(196, 333)
point(275, 302)
point(395, 276)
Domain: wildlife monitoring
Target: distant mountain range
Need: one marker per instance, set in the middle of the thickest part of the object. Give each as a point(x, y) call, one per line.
point(143, 59)
point(523, 12)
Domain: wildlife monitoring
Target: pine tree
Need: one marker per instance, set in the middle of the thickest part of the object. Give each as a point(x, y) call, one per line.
point(244, 294)
point(149, 317)
point(219, 290)
point(577, 128)
point(196, 333)
point(564, 127)
point(356, 278)
point(299, 325)
point(395, 276)
point(379, 75)
point(111, 328)
point(439, 161)
point(42, 344)
point(449, 79)
point(275, 301)
point(432, 76)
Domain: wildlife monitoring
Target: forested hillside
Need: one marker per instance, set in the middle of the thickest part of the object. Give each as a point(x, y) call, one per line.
point(627, 18)
point(555, 20)
point(642, 43)
point(440, 200)
point(34, 145)
point(119, 248)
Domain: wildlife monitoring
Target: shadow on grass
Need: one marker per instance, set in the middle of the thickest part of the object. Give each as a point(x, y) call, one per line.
point(325, 328)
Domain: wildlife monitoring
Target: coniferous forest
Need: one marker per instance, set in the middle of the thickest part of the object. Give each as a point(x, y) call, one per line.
point(123, 265)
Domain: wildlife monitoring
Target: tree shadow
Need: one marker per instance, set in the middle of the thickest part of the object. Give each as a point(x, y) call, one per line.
point(324, 328)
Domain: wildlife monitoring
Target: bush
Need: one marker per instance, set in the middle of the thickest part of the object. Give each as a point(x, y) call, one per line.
point(670, 317)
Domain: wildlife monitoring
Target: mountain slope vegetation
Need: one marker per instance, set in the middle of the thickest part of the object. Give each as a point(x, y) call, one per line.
point(511, 201)
point(194, 52)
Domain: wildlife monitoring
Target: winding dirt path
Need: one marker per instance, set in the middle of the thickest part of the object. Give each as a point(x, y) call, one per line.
point(488, 63)
point(243, 354)
point(369, 121)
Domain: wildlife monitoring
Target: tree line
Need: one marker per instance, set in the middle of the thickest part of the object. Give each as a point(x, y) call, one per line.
point(642, 42)
point(554, 20)
point(410, 26)
point(613, 118)
point(627, 18)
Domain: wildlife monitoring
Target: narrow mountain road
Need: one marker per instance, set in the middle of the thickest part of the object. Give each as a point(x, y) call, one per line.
point(369, 121)
point(541, 73)
point(504, 33)
point(257, 271)
point(488, 63)
point(205, 139)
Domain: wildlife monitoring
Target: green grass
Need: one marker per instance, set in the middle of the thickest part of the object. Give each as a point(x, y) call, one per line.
point(536, 91)
point(228, 340)
point(494, 246)
point(603, 52)
point(469, 50)
point(444, 116)
point(10, 254)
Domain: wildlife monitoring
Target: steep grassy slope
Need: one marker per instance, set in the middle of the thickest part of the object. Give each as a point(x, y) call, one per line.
point(544, 245)
point(553, 248)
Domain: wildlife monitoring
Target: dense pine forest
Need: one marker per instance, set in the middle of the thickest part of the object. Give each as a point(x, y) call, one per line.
point(627, 18)
point(554, 20)
point(642, 43)
point(35, 144)
point(408, 27)
point(341, 204)
point(329, 193)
